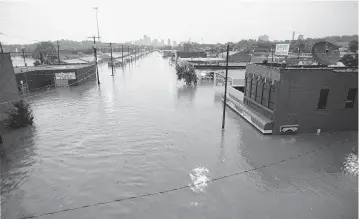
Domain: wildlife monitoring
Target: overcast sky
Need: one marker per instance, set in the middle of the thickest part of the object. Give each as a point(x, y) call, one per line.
point(212, 21)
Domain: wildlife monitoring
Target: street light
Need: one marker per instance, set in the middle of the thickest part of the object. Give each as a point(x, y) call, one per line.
point(98, 31)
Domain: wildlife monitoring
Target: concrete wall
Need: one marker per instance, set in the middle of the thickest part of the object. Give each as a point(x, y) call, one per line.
point(298, 95)
point(8, 86)
point(85, 74)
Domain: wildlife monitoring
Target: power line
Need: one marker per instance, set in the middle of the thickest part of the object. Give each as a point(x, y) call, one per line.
point(171, 190)
point(24, 38)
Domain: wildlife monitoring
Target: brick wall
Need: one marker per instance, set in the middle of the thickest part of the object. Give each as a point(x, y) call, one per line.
point(8, 86)
point(298, 95)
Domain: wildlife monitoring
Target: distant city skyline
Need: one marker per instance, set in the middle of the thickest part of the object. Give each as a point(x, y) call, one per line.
point(242, 20)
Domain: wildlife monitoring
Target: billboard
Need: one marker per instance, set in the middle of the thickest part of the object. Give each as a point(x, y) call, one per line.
point(65, 76)
point(281, 49)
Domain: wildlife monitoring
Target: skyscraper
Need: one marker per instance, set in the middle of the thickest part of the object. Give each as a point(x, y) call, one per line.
point(162, 42)
point(146, 40)
point(263, 38)
point(155, 42)
point(169, 42)
point(174, 43)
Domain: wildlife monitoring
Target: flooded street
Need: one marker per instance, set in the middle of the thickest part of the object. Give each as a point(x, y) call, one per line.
point(143, 132)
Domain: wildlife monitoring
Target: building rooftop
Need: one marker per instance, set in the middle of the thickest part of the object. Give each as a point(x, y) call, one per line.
point(48, 67)
point(335, 68)
point(229, 53)
point(75, 61)
point(202, 59)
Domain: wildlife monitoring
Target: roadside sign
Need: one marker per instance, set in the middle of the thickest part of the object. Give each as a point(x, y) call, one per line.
point(67, 75)
point(281, 49)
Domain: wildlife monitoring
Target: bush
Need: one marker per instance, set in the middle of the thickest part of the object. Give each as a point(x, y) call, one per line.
point(350, 60)
point(186, 72)
point(37, 62)
point(19, 115)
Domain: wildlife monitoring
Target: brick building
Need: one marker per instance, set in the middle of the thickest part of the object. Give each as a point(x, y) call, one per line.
point(292, 99)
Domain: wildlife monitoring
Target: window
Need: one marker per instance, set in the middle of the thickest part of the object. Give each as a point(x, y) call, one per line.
point(265, 93)
point(322, 103)
point(259, 91)
point(352, 93)
point(246, 86)
point(249, 91)
point(254, 88)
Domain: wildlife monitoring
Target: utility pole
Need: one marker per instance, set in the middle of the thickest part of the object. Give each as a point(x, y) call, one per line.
point(128, 51)
point(111, 58)
point(98, 31)
point(122, 54)
point(23, 56)
point(58, 52)
point(225, 90)
point(95, 56)
point(272, 52)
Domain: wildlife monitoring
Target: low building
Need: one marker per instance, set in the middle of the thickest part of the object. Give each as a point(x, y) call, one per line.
point(8, 86)
point(191, 55)
point(297, 99)
point(236, 56)
point(36, 77)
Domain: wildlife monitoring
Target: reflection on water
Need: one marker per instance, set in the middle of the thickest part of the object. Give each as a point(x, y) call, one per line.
point(17, 159)
point(351, 164)
point(186, 93)
point(199, 179)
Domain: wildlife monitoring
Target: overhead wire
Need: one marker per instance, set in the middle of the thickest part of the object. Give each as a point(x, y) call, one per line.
point(173, 189)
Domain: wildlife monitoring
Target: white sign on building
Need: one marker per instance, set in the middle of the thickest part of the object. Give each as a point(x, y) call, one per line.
point(66, 75)
point(282, 49)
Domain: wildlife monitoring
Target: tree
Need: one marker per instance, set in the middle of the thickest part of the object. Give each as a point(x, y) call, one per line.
point(186, 72)
point(19, 115)
point(353, 46)
point(350, 60)
point(43, 50)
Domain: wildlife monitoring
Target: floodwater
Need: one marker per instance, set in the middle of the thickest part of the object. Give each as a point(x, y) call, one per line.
point(19, 61)
point(143, 132)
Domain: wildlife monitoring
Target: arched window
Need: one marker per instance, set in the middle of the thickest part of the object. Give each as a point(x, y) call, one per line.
point(271, 98)
point(245, 85)
point(265, 93)
point(259, 90)
point(253, 88)
point(262, 93)
point(249, 86)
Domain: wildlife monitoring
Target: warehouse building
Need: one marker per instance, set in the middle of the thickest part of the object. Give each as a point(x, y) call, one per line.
point(279, 100)
point(36, 77)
